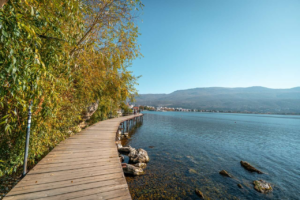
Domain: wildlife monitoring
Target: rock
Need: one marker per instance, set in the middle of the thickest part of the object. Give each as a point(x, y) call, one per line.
point(192, 171)
point(122, 136)
point(262, 186)
point(126, 149)
point(240, 185)
point(199, 193)
point(132, 152)
point(131, 169)
point(118, 142)
point(250, 168)
point(121, 158)
point(119, 146)
point(225, 173)
point(141, 165)
point(135, 156)
point(138, 156)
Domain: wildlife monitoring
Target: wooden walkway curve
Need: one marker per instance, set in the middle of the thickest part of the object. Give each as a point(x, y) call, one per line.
point(84, 166)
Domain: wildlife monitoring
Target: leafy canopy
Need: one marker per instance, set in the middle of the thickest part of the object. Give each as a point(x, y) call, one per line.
point(63, 55)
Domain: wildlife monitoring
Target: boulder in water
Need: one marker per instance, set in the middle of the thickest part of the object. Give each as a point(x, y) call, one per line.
point(225, 173)
point(141, 165)
point(132, 170)
point(250, 168)
point(262, 186)
point(125, 149)
point(119, 146)
point(138, 156)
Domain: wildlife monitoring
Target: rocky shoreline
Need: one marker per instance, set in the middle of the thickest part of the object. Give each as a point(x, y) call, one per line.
point(138, 158)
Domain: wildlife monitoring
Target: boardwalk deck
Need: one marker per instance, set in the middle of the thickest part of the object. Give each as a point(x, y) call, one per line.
point(84, 166)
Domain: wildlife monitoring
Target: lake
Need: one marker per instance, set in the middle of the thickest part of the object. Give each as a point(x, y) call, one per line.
point(188, 149)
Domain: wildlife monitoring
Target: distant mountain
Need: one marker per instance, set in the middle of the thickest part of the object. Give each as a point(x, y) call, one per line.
point(252, 99)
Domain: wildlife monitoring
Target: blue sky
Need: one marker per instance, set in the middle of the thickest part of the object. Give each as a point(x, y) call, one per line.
point(226, 43)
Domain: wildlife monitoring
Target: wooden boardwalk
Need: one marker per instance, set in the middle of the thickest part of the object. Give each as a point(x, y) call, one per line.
point(84, 166)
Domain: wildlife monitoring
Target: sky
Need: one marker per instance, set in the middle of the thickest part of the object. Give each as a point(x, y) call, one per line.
point(218, 43)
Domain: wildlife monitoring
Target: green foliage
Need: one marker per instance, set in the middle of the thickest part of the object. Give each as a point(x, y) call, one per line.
point(63, 55)
point(126, 109)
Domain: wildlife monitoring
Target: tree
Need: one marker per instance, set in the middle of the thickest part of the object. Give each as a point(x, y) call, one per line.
point(65, 56)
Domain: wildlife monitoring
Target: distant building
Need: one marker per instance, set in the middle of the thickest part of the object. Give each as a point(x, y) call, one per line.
point(135, 108)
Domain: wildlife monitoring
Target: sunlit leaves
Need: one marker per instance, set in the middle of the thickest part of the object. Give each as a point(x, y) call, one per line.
point(63, 55)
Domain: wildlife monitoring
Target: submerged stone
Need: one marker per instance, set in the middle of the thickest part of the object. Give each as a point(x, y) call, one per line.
point(225, 173)
point(192, 171)
point(262, 186)
point(199, 193)
point(250, 168)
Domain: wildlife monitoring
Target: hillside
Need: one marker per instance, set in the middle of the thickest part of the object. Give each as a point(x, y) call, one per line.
point(252, 99)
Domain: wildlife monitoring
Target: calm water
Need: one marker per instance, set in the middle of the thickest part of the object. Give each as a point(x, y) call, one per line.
point(189, 150)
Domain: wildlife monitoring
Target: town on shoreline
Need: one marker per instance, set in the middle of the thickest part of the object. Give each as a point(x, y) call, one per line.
point(165, 109)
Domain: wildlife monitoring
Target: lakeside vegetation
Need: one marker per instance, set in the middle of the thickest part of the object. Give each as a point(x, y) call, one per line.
point(64, 56)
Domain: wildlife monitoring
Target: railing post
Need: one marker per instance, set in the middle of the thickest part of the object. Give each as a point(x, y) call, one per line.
point(27, 140)
point(127, 123)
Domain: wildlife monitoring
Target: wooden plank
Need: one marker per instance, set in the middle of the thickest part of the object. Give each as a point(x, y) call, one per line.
point(70, 174)
point(35, 181)
point(59, 160)
point(41, 187)
point(101, 166)
point(107, 153)
point(76, 162)
point(115, 194)
point(84, 166)
point(104, 192)
point(74, 191)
